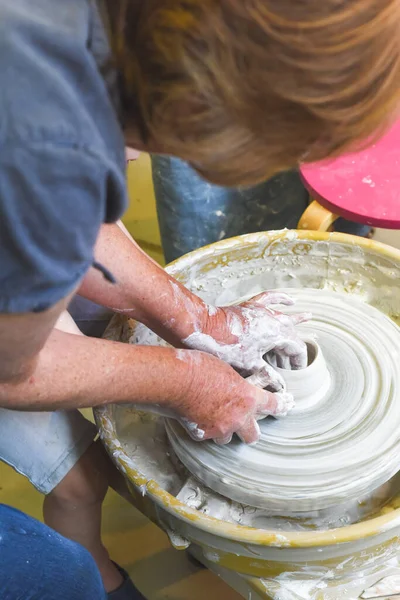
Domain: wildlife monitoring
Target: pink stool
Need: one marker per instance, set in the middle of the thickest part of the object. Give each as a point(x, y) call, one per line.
point(363, 187)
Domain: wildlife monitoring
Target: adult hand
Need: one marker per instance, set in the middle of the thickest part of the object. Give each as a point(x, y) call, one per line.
point(242, 334)
point(218, 402)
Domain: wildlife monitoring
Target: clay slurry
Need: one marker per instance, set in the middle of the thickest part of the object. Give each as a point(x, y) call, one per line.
point(346, 422)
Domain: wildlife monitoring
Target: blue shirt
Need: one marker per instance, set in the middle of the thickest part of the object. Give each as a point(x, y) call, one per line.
point(62, 159)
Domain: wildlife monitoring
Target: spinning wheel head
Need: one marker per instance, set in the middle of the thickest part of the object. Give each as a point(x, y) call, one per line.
point(346, 421)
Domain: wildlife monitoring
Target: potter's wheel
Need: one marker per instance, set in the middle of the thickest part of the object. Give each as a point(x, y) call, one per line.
point(343, 439)
point(337, 552)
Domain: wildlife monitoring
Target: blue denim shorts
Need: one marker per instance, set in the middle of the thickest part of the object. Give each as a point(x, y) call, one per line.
point(44, 446)
point(37, 563)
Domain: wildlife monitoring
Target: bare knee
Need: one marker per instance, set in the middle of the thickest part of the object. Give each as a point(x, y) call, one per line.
point(86, 483)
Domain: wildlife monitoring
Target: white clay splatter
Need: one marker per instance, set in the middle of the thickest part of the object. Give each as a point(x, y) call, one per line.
point(212, 310)
point(368, 181)
point(193, 429)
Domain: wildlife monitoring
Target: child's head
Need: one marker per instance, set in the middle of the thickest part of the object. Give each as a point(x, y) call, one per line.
point(245, 88)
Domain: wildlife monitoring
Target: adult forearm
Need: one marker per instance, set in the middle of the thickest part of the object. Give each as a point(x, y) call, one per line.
point(143, 291)
point(75, 372)
point(208, 397)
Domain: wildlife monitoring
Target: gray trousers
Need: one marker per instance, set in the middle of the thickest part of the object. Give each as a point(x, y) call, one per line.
point(193, 213)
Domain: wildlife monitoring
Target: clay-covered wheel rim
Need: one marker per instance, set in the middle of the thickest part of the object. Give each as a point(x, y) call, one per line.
point(103, 416)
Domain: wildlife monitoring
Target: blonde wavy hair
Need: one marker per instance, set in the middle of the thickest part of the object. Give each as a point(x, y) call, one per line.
point(242, 89)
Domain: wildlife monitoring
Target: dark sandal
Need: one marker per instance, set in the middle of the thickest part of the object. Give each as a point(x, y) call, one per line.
point(126, 591)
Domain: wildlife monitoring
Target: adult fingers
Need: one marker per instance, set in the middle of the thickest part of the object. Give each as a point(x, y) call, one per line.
point(267, 377)
point(274, 405)
point(224, 440)
point(267, 299)
point(250, 432)
point(291, 355)
point(300, 318)
point(283, 361)
point(299, 361)
point(197, 434)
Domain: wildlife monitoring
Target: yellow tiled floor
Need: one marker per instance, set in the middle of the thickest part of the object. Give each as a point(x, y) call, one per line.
point(140, 217)
point(159, 571)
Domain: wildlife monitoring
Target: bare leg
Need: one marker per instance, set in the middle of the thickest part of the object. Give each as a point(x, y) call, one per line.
point(114, 477)
point(73, 508)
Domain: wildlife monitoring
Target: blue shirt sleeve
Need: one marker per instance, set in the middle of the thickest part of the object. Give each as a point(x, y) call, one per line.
point(62, 160)
point(53, 200)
